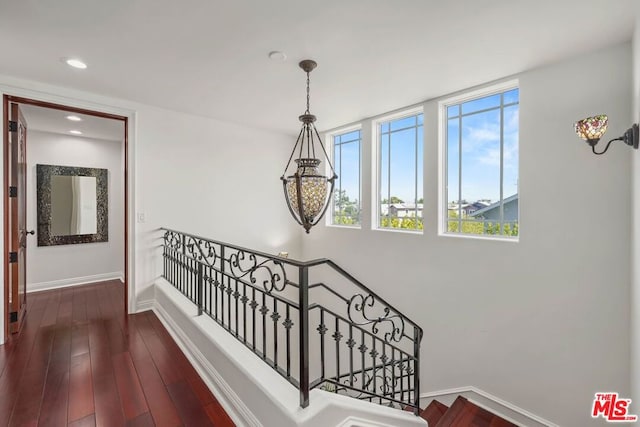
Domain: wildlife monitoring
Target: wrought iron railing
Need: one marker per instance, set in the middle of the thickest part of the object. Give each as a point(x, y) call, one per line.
point(312, 322)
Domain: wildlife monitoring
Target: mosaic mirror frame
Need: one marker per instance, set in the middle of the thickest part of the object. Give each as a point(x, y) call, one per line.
point(44, 175)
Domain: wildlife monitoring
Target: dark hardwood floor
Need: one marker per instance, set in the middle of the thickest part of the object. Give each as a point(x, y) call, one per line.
point(80, 361)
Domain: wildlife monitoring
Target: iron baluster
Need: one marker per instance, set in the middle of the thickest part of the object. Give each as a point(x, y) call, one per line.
point(288, 332)
point(337, 336)
point(235, 296)
point(254, 304)
point(351, 343)
point(216, 285)
point(223, 260)
point(417, 337)
point(183, 259)
point(183, 270)
point(263, 311)
point(373, 360)
point(165, 261)
point(244, 313)
point(190, 273)
point(210, 291)
point(221, 289)
point(393, 371)
point(228, 291)
point(180, 272)
point(384, 367)
point(187, 278)
point(303, 301)
point(363, 350)
point(194, 280)
point(322, 329)
point(401, 368)
point(275, 317)
point(200, 289)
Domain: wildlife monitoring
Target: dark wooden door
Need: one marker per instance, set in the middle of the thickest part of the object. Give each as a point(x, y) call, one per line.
point(17, 219)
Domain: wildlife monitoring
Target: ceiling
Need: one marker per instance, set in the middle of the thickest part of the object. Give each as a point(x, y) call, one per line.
point(209, 57)
point(55, 121)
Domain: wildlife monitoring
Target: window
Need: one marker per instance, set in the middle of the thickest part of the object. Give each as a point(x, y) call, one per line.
point(481, 146)
point(346, 195)
point(400, 173)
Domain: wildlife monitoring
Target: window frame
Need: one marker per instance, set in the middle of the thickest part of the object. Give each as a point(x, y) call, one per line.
point(443, 212)
point(329, 142)
point(376, 175)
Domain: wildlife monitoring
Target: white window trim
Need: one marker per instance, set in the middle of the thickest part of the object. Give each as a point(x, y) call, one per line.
point(376, 161)
point(442, 158)
point(328, 139)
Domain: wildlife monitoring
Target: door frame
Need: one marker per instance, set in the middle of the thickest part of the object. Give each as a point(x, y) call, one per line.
point(126, 118)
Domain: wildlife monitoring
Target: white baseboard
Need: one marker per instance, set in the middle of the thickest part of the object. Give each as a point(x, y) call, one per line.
point(481, 398)
point(144, 305)
point(232, 404)
point(73, 281)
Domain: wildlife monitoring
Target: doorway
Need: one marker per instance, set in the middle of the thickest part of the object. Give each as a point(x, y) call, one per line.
point(17, 237)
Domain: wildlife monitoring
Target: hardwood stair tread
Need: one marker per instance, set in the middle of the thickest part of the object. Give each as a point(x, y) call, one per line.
point(463, 413)
point(433, 412)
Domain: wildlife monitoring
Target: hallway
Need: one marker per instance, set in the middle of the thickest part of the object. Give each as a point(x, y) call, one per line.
point(81, 362)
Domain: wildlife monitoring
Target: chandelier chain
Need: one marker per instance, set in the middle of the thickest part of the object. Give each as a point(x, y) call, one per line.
point(308, 95)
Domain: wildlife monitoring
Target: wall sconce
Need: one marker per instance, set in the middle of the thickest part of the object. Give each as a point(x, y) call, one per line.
point(593, 128)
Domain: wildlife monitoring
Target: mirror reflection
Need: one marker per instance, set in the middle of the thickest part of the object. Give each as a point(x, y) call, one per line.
point(73, 205)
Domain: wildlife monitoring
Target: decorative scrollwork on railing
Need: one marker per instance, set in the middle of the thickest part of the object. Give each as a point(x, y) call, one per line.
point(386, 383)
point(173, 240)
point(360, 310)
point(201, 250)
point(270, 272)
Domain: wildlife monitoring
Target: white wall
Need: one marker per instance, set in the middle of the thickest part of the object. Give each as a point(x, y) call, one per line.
point(635, 243)
point(542, 323)
point(53, 266)
point(211, 178)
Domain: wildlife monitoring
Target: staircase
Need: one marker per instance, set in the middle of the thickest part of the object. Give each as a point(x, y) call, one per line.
point(462, 413)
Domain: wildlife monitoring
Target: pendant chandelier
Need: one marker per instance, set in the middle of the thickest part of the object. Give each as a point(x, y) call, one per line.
point(307, 191)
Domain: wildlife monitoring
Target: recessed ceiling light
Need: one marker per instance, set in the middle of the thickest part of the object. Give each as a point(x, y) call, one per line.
point(75, 132)
point(76, 63)
point(74, 118)
point(277, 56)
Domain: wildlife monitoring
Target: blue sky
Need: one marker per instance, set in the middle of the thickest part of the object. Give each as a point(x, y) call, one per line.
point(347, 160)
point(480, 153)
point(404, 144)
point(480, 161)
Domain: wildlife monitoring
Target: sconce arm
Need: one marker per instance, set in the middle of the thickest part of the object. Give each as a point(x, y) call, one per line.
point(630, 138)
point(593, 147)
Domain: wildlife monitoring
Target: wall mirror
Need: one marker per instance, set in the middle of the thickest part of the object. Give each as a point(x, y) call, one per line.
point(72, 205)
